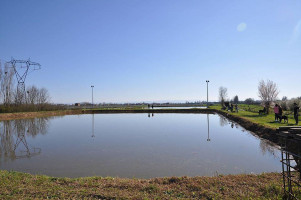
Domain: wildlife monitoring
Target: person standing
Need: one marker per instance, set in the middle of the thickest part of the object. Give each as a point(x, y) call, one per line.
point(296, 113)
point(236, 108)
point(280, 113)
point(276, 111)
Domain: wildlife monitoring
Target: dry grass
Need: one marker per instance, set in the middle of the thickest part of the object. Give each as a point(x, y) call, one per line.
point(16, 185)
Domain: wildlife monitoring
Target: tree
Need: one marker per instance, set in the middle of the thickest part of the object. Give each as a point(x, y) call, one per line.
point(235, 99)
point(223, 95)
point(284, 98)
point(43, 96)
point(290, 103)
point(7, 84)
point(32, 95)
point(249, 101)
point(267, 92)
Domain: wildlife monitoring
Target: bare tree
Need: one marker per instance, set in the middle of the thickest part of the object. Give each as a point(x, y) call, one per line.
point(43, 96)
point(7, 84)
point(32, 95)
point(222, 95)
point(267, 92)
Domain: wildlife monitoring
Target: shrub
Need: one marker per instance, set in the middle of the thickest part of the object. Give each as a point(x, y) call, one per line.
point(290, 103)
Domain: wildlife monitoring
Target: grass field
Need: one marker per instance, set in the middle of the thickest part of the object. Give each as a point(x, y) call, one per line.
point(250, 112)
point(16, 185)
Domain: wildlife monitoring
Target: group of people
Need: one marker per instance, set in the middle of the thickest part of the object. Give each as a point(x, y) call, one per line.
point(231, 107)
point(279, 111)
point(150, 106)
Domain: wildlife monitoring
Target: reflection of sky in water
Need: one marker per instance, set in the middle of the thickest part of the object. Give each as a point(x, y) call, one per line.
point(138, 145)
point(178, 107)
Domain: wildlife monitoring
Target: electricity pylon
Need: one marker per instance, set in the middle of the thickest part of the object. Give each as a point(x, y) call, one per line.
point(21, 69)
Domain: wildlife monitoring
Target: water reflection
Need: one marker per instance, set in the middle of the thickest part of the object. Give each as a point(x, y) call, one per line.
point(93, 131)
point(130, 145)
point(14, 134)
point(223, 121)
point(268, 147)
point(208, 138)
point(149, 115)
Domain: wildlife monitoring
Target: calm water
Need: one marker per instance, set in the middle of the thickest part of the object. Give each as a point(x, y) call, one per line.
point(186, 107)
point(133, 145)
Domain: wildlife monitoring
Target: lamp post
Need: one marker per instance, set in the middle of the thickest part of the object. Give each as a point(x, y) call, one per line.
point(92, 86)
point(207, 81)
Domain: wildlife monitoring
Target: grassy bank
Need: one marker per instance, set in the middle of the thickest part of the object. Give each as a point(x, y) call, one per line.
point(16, 185)
point(25, 115)
point(251, 113)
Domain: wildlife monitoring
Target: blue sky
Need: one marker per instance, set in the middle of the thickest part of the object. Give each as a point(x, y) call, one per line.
point(154, 50)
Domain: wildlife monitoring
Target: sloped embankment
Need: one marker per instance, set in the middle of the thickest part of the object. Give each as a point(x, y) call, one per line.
point(260, 130)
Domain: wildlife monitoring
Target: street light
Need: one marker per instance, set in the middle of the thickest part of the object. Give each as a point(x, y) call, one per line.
point(207, 81)
point(92, 86)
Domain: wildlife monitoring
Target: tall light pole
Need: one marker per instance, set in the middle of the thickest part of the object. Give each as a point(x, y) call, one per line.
point(92, 86)
point(207, 81)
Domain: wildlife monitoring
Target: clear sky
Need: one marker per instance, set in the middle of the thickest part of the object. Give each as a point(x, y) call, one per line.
point(153, 50)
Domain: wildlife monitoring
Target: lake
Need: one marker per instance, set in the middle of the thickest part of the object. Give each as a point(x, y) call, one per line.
point(134, 145)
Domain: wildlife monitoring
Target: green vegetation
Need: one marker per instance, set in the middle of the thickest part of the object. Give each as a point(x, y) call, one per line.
point(16, 185)
point(250, 112)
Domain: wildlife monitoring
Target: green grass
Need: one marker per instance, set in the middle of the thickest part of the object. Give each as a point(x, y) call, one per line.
point(251, 113)
point(16, 185)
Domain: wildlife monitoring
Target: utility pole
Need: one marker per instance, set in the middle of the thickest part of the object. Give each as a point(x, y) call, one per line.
point(92, 86)
point(21, 69)
point(207, 81)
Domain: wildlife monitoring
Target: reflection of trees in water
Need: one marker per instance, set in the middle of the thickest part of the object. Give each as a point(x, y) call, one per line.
point(37, 126)
point(6, 140)
point(267, 146)
point(13, 133)
point(223, 121)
